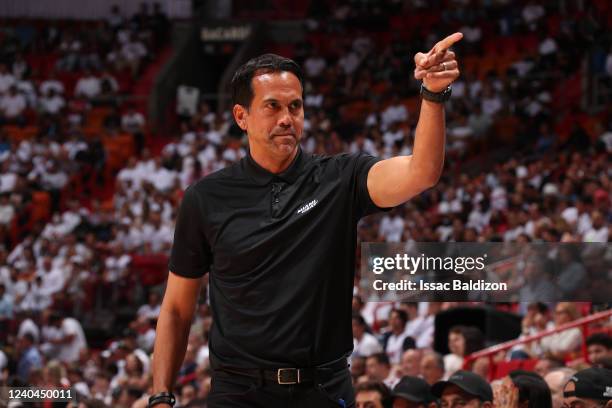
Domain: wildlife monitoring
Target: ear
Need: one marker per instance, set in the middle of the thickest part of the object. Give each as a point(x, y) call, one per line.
point(240, 115)
point(487, 404)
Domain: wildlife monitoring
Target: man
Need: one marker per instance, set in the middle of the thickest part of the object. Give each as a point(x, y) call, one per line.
point(432, 367)
point(29, 357)
point(411, 362)
point(412, 392)
point(372, 394)
point(281, 304)
point(396, 340)
point(365, 344)
point(599, 345)
point(378, 368)
point(556, 380)
point(464, 389)
point(590, 388)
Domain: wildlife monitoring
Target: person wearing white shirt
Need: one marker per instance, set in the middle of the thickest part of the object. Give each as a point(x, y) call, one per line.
point(391, 227)
point(598, 232)
point(314, 65)
point(364, 343)
point(13, 104)
point(51, 83)
point(396, 340)
point(88, 86)
point(559, 345)
point(6, 79)
point(72, 340)
point(52, 103)
point(151, 309)
point(396, 112)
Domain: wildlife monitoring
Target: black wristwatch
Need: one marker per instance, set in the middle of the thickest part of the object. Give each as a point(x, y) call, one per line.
point(162, 398)
point(437, 97)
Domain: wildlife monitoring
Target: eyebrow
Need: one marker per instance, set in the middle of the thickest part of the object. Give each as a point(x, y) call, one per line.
point(277, 101)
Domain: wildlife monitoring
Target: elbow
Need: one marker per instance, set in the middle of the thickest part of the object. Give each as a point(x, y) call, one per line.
point(430, 180)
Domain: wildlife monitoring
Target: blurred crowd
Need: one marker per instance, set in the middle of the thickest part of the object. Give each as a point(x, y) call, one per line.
point(547, 180)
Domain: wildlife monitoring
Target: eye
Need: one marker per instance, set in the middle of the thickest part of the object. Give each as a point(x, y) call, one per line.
point(295, 105)
point(272, 105)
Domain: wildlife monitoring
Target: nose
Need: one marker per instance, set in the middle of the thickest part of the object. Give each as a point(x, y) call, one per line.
point(285, 120)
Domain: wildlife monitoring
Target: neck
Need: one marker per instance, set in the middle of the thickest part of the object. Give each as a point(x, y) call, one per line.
point(271, 163)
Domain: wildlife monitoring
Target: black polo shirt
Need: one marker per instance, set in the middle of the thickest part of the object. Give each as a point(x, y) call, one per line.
point(280, 249)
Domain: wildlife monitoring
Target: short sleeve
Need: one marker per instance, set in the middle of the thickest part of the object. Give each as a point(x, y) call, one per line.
point(359, 166)
point(191, 255)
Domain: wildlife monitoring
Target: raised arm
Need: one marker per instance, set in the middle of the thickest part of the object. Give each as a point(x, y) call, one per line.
point(396, 180)
point(172, 330)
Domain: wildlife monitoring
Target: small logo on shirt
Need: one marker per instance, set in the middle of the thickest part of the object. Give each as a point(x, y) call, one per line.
point(307, 207)
point(608, 392)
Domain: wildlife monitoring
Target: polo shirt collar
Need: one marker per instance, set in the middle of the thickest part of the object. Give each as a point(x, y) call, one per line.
point(262, 176)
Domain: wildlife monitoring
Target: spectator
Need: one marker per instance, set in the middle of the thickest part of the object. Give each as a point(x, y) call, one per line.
point(71, 338)
point(7, 80)
point(556, 380)
point(559, 345)
point(12, 107)
point(532, 390)
point(365, 344)
point(396, 341)
point(590, 388)
point(29, 357)
point(462, 341)
point(133, 122)
point(464, 389)
point(432, 367)
point(412, 392)
point(599, 230)
point(411, 362)
point(152, 308)
point(88, 86)
point(378, 368)
point(52, 103)
point(372, 394)
point(599, 345)
point(546, 365)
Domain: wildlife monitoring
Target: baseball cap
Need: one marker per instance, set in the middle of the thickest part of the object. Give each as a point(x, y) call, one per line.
point(469, 382)
point(413, 389)
point(593, 383)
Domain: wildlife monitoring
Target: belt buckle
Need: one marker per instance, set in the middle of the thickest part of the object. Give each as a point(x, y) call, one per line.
point(279, 375)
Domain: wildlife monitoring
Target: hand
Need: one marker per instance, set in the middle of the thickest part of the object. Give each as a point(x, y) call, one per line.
point(438, 68)
point(506, 395)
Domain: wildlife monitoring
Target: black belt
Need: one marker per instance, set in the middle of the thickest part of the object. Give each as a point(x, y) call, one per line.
point(289, 376)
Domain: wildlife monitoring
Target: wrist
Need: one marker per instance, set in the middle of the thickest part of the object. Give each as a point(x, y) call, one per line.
point(162, 399)
point(436, 97)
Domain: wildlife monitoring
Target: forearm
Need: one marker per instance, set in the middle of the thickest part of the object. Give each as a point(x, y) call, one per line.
point(169, 350)
point(428, 152)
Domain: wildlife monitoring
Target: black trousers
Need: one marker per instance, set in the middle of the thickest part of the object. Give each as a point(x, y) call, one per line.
point(229, 390)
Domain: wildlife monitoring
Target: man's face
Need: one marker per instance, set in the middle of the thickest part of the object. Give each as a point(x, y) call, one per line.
point(374, 370)
point(368, 399)
point(275, 119)
point(574, 402)
point(597, 351)
point(455, 397)
point(411, 361)
point(430, 370)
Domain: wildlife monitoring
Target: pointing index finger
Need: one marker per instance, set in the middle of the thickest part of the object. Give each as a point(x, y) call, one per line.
point(448, 42)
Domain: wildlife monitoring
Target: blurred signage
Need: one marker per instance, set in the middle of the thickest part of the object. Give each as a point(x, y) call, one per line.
point(232, 33)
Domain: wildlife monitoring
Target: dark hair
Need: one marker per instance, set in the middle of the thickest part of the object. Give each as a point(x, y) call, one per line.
point(360, 320)
point(377, 386)
point(401, 314)
point(241, 85)
point(534, 390)
point(600, 339)
point(381, 358)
